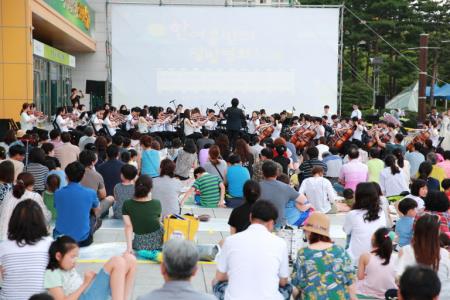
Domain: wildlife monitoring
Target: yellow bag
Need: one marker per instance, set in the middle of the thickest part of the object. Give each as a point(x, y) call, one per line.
point(177, 226)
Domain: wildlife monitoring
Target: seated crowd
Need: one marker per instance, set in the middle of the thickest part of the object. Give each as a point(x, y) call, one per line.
point(54, 202)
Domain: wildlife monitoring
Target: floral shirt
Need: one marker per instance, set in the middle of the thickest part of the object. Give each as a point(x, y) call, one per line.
point(323, 274)
point(4, 189)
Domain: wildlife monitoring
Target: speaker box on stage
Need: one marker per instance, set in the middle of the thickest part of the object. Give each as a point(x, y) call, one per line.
point(380, 102)
point(97, 88)
point(4, 127)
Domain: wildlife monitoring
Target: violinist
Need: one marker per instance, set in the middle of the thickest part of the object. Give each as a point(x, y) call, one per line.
point(83, 118)
point(111, 126)
point(97, 119)
point(253, 123)
point(211, 122)
point(143, 122)
point(27, 120)
point(132, 119)
point(431, 128)
point(190, 126)
point(65, 124)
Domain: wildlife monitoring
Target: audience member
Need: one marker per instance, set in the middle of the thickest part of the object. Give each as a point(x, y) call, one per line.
point(353, 172)
point(167, 189)
point(419, 282)
point(320, 258)
point(6, 178)
point(150, 159)
point(24, 254)
point(73, 204)
point(115, 280)
point(239, 219)
point(52, 185)
point(16, 156)
point(363, 220)
point(278, 193)
point(215, 165)
point(264, 155)
point(334, 164)
point(141, 216)
point(415, 158)
point(186, 160)
point(392, 178)
point(87, 138)
point(236, 176)
point(318, 191)
point(178, 267)
point(236, 264)
point(404, 225)
point(425, 250)
point(312, 161)
point(67, 152)
point(210, 188)
point(376, 269)
point(375, 165)
point(22, 190)
point(37, 168)
point(125, 189)
point(110, 169)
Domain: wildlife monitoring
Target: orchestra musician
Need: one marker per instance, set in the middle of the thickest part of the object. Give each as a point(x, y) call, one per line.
point(27, 119)
point(65, 123)
point(144, 123)
point(253, 123)
point(192, 127)
point(111, 126)
point(211, 122)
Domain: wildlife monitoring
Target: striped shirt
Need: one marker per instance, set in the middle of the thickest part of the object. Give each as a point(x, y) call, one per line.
point(209, 188)
point(39, 173)
point(23, 268)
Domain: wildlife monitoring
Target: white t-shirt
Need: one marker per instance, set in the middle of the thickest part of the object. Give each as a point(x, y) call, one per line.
point(23, 268)
point(97, 122)
point(357, 135)
point(252, 124)
point(188, 128)
point(276, 133)
point(420, 202)
point(392, 185)
point(253, 273)
point(361, 232)
point(319, 192)
point(409, 259)
point(356, 113)
point(62, 124)
point(26, 121)
point(111, 129)
point(322, 149)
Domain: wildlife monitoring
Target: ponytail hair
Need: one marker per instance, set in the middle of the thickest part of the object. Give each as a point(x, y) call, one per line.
point(397, 152)
point(62, 244)
point(382, 242)
point(390, 162)
point(143, 186)
point(24, 180)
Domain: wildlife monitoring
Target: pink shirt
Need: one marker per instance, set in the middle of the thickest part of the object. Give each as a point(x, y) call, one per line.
point(353, 173)
point(445, 165)
point(203, 157)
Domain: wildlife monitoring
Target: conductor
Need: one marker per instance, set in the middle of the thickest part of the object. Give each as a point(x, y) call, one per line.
point(235, 118)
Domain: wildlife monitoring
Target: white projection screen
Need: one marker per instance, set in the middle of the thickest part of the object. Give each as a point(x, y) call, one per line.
point(272, 58)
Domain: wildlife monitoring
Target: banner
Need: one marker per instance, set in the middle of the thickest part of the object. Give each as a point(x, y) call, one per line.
point(77, 12)
point(53, 54)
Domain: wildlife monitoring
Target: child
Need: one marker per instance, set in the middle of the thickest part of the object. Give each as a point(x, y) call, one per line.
point(404, 226)
point(133, 158)
point(52, 184)
point(62, 281)
point(124, 191)
point(125, 157)
point(446, 187)
point(376, 269)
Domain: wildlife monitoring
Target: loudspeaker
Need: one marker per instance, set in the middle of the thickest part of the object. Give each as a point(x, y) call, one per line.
point(380, 102)
point(4, 127)
point(97, 88)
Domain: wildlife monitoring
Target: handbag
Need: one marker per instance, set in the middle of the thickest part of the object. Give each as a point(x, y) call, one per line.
point(180, 226)
point(293, 238)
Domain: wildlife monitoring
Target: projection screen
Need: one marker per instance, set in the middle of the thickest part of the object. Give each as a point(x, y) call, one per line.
point(272, 58)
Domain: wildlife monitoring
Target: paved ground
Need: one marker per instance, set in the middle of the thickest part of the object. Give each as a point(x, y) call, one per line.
point(110, 240)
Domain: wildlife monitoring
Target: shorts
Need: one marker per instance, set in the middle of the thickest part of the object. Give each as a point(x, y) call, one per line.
point(99, 288)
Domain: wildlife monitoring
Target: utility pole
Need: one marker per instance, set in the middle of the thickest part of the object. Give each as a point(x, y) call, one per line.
point(423, 61)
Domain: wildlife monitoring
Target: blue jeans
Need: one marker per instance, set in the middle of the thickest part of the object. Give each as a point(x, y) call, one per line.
point(100, 288)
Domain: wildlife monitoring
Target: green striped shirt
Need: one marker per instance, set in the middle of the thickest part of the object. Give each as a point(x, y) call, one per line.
point(209, 188)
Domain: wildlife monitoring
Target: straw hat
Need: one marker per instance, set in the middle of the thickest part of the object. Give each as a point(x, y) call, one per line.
point(318, 223)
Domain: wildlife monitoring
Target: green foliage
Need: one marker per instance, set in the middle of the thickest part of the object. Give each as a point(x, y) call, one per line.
point(400, 23)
